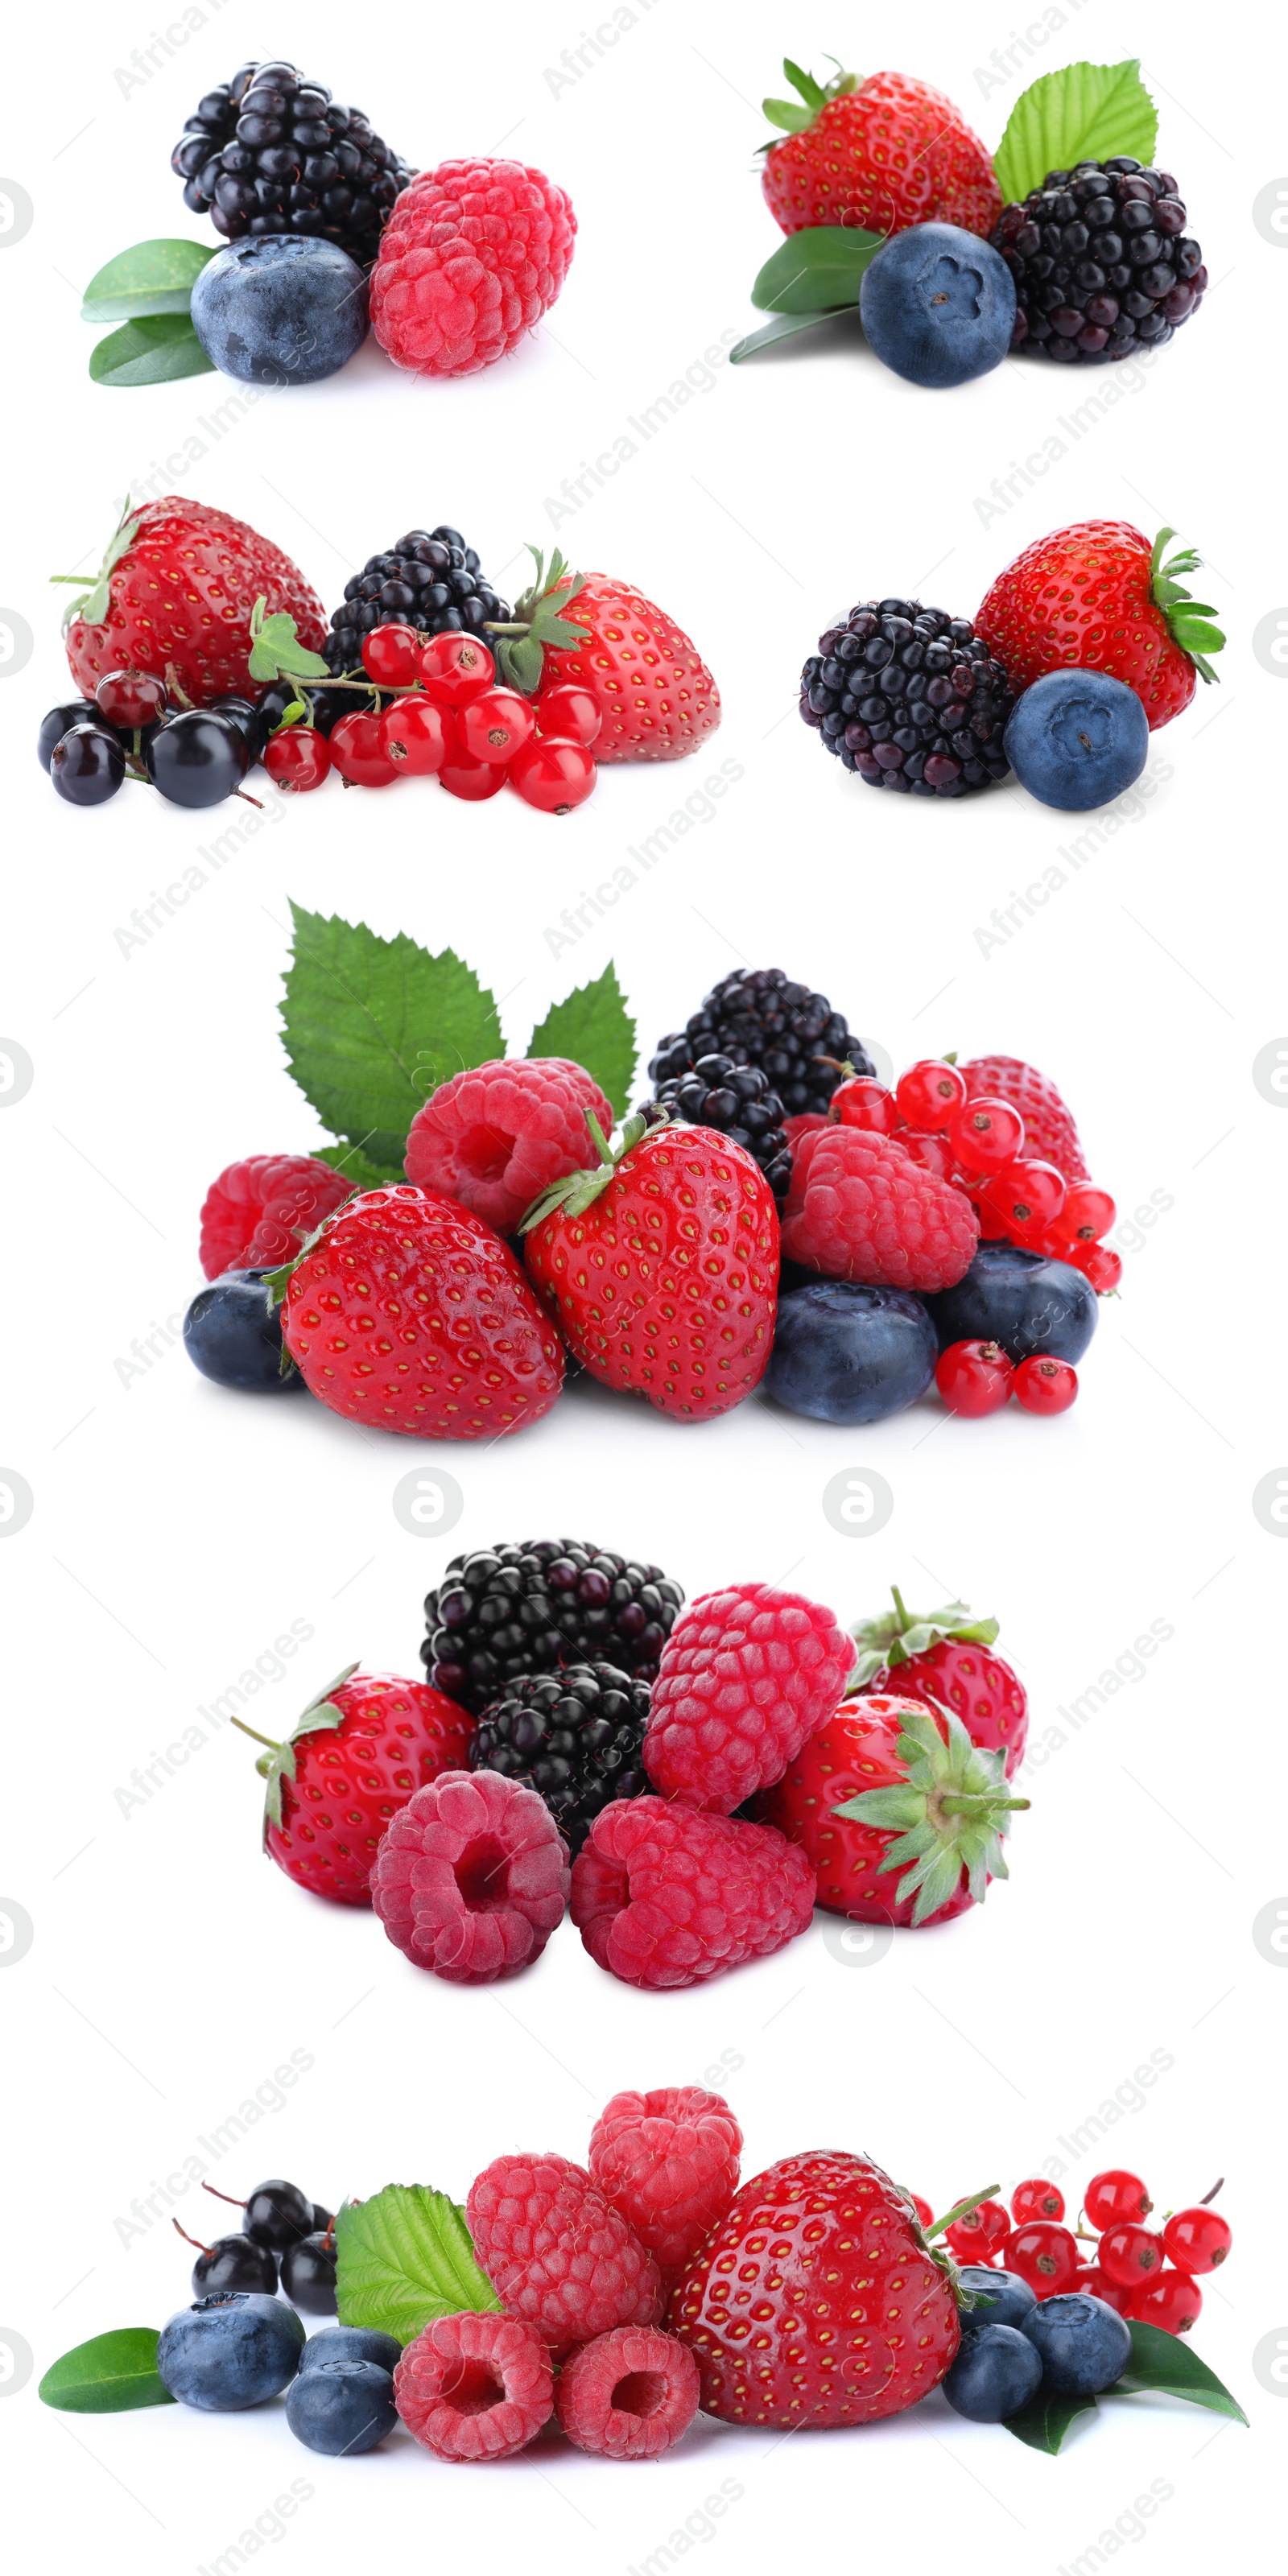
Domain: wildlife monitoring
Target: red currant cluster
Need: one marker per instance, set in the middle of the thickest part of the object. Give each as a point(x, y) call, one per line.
point(451, 721)
point(1145, 2273)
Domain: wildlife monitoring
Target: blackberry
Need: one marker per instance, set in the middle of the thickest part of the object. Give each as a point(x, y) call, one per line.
point(272, 152)
point(761, 1018)
point(431, 580)
point(574, 1736)
point(1103, 265)
point(736, 1099)
point(505, 1611)
point(909, 698)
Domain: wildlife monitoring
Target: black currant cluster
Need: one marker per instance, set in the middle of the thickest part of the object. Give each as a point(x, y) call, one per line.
point(1103, 265)
point(430, 580)
point(285, 2239)
point(909, 698)
point(737, 1100)
point(506, 1612)
point(272, 152)
point(574, 1736)
point(195, 756)
point(759, 1017)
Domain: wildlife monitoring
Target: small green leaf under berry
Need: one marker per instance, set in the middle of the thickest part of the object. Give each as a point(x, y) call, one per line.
point(155, 350)
point(403, 2258)
point(784, 326)
point(152, 277)
point(108, 2375)
point(816, 270)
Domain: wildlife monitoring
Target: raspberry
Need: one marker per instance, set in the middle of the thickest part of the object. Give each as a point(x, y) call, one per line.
point(861, 1209)
point(663, 1896)
point(669, 2161)
point(628, 2395)
point(475, 2387)
point(473, 254)
point(557, 2253)
point(497, 1136)
point(260, 1211)
point(746, 1675)
point(471, 1877)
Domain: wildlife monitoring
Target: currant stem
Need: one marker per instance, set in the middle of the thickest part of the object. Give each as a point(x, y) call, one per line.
point(191, 2240)
point(223, 2195)
point(1211, 2195)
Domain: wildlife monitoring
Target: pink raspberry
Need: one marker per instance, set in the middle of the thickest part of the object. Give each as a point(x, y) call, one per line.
point(663, 1896)
point(475, 2386)
point(494, 1137)
point(261, 1210)
point(806, 1123)
point(471, 1877)
point(746, 1675)
point(669, 2161)
point(557, 2253)
point(859, 1208)
point(628, 2395)
point(473, 254)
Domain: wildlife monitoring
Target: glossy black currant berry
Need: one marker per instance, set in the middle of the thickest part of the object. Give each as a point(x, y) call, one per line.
point(308, 2273)
point(198, 758)
point(231, 2263)
point(249, 718)
point(275, 2214)
point(88, 765)
point(60, 721)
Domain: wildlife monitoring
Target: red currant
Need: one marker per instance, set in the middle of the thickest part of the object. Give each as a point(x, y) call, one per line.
point(1044, 2255)
point(391, 656)
point(1027, 1196)
point(928, 1093)
point(1115, 2194)
point(923, 2209)
point(472, 780)
point(861, 1102)
point(298, 759)
point(455, 667)
point(571, 714)
point(934, 1153)
point(1098, 2285)
point(554, 776)
point(415, 735)
point(1196, 2240)
point(986, 1133)
point(131, 699)
point(496, 726)
point(356, 753)
point(1036, 2199)
point(974, 1378)
point(1129, 2253)
point(1171, 2300)
point(976, 2238)
point(1087, 1214)
point(1044, 1385)
point(1098, 1262)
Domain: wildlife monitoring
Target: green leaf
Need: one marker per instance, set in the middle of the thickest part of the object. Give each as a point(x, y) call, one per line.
point(357, 1166)
point(815, 270)
point(154, 351)
point(153, 277)
point(275, 649)
point(371, 1026)
point(1167, 2362)
point(107, 2375)
point(1044, 2422)
point(403, 2258)
point(1087, 112)
point(594, 1027)
point(784, 327)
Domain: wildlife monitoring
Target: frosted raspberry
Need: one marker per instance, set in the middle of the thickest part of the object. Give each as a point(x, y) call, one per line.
point(806, 1123)
point(860, 1208)
point(262, 1209)
point(495, 1137)
point(628, 2395)
point(746, 1675)
point(473, 254)
point(663, 1896)
point(475, 2386)
point(471, 1877)
point(557, 2253)
point(669, 2161)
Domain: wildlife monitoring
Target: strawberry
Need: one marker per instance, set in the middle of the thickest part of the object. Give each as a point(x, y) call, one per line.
point(361, 1749)
point(882, 153)
point(943, 1659)
point(1099, 597)
point(889, 1784)
point(1049, 1131)
point(661, 1267)
point(176, 591)
point(817, 2300)
point(656, 697)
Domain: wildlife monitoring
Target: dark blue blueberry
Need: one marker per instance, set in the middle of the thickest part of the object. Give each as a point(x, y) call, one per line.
point(1003, 2299)
point(938, 305)
point(996, 2372)
point(232, 1334)
point(342, 2407)
point(229, 2352)
point(59, 721)
point(280, 309)
point(1083, 2345)
point(848, 1354)
point(350, 2343)
point(1020, 1299)
point(1077, 739)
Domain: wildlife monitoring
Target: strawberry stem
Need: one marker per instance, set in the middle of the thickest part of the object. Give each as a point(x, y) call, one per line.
point(270, 1740)
point(960, 2209)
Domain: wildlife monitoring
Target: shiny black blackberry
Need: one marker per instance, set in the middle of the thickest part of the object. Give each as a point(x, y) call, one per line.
point(536, 1606)
point(431, 579)
point(573, 1736)
point(759, 1017)
point(272, 152)
point(909, 698)
point(738, 1101)
point(1103, 265)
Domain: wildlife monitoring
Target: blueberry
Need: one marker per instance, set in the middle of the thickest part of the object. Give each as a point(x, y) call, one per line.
point(1020, 1299)
point(350, 2343)
point(996, 2372)
point(848, 1354)
point(231, 2351)
point(59, 721)
point(280, 309)
point(343, 2407)
point(1003, 2298)
point(1077, 739)
point(1083, 2345)
point(87, 765)
point(938, 305)
point(232, 1334)
point(308, 2273)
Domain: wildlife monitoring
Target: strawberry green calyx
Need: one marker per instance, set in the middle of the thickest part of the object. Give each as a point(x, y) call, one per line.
point(797, 115)
point(1187, 619)
point(277, 1762)
point(539, 624)
point(884, 1644)
point(95, 593)
point(948, 1816)
point(578, 1190)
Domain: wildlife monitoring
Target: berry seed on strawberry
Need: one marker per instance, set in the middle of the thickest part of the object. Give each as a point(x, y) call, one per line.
point(944, 1657)
point(590, 632)
point(1099, 597)
point(174, 596)
point(746, 1676)
point(355, 1758)
point(471, 1877)
point(881, 153)
point(663, 1895)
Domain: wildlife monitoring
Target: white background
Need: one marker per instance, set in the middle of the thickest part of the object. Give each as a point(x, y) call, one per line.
point(178, 1531)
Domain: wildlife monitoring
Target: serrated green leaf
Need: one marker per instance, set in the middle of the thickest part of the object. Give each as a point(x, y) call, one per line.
point(784, 327)
point(403, 2258)
point(107, 2375)
point(358, 1167)
point(594, 1028)
point(815, 270)
point(371, 1026)
point(155, 351)
point(1044, 2422)
point(153, 277)
point(1087, 112)
point(1167, 2363)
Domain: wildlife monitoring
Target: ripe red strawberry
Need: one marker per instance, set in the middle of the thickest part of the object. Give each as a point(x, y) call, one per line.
point(361, 1749)
point(899, 1812)
point(1099, 597)
point(1049, 1131)
point(661, 1268)
point(883, 153)
point(656, 697)
point(943, 1658)
point(817, 2300)
point(176, 590)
